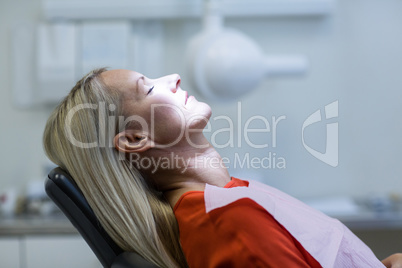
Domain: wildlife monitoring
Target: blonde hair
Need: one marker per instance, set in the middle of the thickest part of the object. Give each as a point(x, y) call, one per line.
point(136, 216)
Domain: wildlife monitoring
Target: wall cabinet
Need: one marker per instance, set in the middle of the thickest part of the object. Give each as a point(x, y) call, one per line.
point(46, 251)
point(9, 252)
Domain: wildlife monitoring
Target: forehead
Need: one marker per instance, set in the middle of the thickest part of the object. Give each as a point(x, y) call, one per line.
point(122, 80)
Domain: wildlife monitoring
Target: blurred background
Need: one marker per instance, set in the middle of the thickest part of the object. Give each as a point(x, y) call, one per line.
point(354, 51)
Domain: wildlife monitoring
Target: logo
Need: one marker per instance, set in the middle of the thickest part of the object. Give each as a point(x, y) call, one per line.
point(330, 156)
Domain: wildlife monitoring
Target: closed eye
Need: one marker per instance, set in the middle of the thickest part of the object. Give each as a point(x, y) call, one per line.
point(150, 90)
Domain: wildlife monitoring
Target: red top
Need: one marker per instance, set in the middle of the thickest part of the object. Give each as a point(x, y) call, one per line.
point(241, 234)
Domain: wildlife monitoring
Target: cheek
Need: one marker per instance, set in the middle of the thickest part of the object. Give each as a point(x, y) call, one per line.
point(168, 123)
point(168, 115)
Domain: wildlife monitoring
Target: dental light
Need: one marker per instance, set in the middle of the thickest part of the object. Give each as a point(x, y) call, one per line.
point(224, 63)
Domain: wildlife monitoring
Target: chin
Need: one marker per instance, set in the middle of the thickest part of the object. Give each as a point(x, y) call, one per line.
point(204, 112)
point(207, 111)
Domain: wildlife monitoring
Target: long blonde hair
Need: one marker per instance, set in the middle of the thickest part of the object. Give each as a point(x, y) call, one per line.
point(136, 216)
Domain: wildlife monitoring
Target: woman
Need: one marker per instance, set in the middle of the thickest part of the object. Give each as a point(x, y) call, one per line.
point(138, 143)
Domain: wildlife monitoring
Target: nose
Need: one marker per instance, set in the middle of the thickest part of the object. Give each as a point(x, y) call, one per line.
point(175, 82)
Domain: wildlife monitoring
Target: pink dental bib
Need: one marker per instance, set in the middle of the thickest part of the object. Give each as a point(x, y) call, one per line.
point(330, 242)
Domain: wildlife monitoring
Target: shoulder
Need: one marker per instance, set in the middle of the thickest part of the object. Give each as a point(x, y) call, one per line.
point(249, 223)
point(239, 234)
point(232, 227)
point(193, 202)
point(244, 212)
point(191, 214)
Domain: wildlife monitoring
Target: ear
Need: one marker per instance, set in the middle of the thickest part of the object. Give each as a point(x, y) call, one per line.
point(132, 141)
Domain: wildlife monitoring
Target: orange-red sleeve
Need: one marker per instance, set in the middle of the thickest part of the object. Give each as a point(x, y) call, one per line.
point(241, 234)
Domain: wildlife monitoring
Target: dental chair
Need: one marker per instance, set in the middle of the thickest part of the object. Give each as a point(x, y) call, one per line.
point(62, 189)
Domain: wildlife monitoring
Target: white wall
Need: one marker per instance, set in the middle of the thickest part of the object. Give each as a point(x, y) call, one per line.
point(356, 58)
point(21, 154)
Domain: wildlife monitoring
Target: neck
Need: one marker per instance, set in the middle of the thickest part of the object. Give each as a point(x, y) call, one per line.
point(185, 168)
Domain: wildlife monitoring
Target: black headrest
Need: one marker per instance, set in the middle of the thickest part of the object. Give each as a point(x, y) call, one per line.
point(62, 189)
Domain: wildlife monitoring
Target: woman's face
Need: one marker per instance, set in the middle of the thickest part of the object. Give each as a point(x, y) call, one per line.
point(158, 106)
